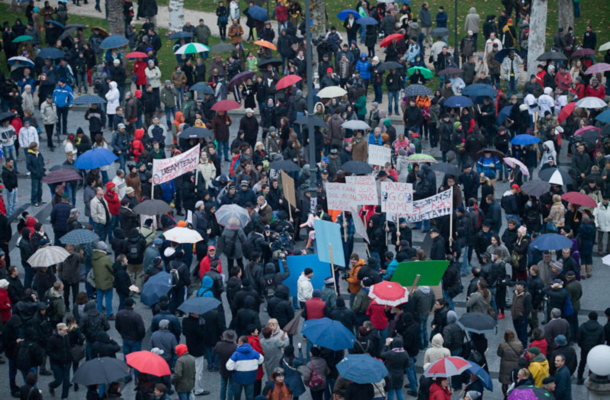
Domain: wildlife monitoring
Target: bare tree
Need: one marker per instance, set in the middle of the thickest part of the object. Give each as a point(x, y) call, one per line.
point(176, 15)
point(116, 17)
point(318, 28)
point(537, 36)
point(566, 14)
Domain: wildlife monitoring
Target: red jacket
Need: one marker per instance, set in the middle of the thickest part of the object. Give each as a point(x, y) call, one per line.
point(598, 92)
point(204, 266)
point(112, 198)
point(376, 313)
point(137, 148)
point(579, 90)
point(255, 342)
point(139, 70)
point(315, 308)
point(281, 14)
point(439, 393)
point(5, 305)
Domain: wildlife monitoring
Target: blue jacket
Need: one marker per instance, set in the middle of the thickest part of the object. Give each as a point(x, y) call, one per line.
point(563, 380)
point(62, 97)
point(169, 188)
point(489, 166)
point(364, 67)
point(244, 362)
point(378, 142)
point(441, 20)
point(60, 215)
point(206, 287)
point(389, 272)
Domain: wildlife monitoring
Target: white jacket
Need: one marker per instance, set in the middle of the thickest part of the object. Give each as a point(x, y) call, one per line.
point(112, 97)
point(304, 288)
point(153, 76)
point(234, 10)
point(208, 171)
point(98, 214)
point(602, 217)
point(27, 136)
point(49, 113)
point(8, 135)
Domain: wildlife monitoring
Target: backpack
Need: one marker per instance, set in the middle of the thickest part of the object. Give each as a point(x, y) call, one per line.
point(568, 308)
point(249, 245)
point(316, 380)
point(456, 289)
point(229, 248)
point(175, 275)
point(23, 357)
point(133, 253)
point(49, 301)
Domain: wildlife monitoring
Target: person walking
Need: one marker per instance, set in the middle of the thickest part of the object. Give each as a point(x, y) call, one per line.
point(590, 334)
point(183, 377)
point(244, 363)
point(60, 355)
point(36, 168)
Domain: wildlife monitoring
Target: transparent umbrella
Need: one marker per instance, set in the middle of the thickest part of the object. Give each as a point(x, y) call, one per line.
point(232, 216)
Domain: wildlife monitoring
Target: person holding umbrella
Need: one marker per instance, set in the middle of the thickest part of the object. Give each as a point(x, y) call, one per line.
point(63, 97)
point(36, 166)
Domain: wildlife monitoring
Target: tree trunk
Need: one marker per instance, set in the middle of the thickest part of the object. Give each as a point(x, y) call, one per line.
point(537, 37)
point(565, 14)
point(318, 28)
point(116, 17)
point(16, 6)
point(176, 15)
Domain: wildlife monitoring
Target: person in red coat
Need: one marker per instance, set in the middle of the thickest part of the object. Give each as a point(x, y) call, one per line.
point(255, 342)
point(204, 266)
point(595, 90)
point(139, 70)
point(314, 307)
point(440, 390)
point(377, 314)
point(114, 204)
point(5, 302)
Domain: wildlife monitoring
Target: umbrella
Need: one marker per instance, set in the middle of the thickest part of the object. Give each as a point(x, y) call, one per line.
point(423, 70)
point(221, 48)
point(555, 176)
point(343, 15)
point(327, 333)
point(64, 167)
point(156, 286)
point(535, 188)
point(226, 105)
point(47, 256)
point(530, 393)
point(597, 68)
point(552, 241)
point(192, 48)
point(258, 13)
point(477, 370)
point(525, 139)
point(199, 305)
point(365, 21)
point(418, 90)
point(362, 369)
point(389, 293)
point(232, 216)
point(241, 78)
point(100, 31)
point(22, 38)
point(67, 33)
point(286, 81)
point(195, 132)
point(95, 158)
point(388, 39)
point(99, 371)
point(446, 168)
point(50, 21)
point(513, 163)
point(62, 175)
point(458, 102)
point(421, 158)
point(503, 114)
point(603, 117)
point(357, 168)
point(75, 26)
point(264, 43)
point(136, 54)
point(292, 327)
point(50, 53)
point(331, 91)
point(274, 62)
point(202, 87)
point(493, 152)
point(582, 52)
point(355, 125)
point(450, 71)
point(7, 115)
point(606, 260)
point(580, 199)
point(591, 102)
point(566, 112)
point(446, 367)
point(476, 89)
point(88, 99)
point(440, 32)
point(152, 207)
point(79, 236)
point(284, 165)
point(476, 322)
point(552, 56)
point(146, 362)
point(502, 54)
point(304, 120)
point(182, 235)
point(590, 138)
point(587, 128)
point(386, 66)
point(604, 47)
point(180, 35)
point(113, 42)
point(13, 60)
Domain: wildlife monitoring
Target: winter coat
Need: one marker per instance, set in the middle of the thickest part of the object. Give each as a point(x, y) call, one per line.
point(237, 238)
point(272, 348)
point(396, 361)
point(104, 346)
point(436, 351)
point(472, 21)
point(509, 353)
point(244, 362)
point(539, 368)
point(102, 270)
point(35, 165)
point(112, 98)
point(589, 335)
point(130, 325)
point(153, 75)
point(183, 377)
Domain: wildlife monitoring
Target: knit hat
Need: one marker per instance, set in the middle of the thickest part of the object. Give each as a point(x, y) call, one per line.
point(457, 124)
point(561, 340)
point(164, 323)
point(317, 293)
point(451, 317)
point(101, 246)
point(158, 242)
point(534, 350)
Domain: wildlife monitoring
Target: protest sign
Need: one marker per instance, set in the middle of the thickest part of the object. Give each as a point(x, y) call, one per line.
point(297, 264)
point(430, 273)
point(359, 225)
point(288, 189)
point(170, 168)
point(328, 235)
point(365, 190)
point(396, 198)
point(379, 155)
point(431, 207)
point(340, 196)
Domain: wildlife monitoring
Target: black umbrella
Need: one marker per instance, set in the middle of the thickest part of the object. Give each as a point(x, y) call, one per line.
point(66, 33)
point(476, 322)
point(284, 165)
point(50, 53)
point(7, 115)
point(180, 35)
point(152, 207)
point(440, 32)
point(493, 152)
point(416, 90)
point(446, 168)
point(552, 56)
point(195, 132)
point(357, 168)
point(241, 78)
point(499, 57)
point(199, 305)
point(221, 48)
point(304, 120)
point(535, 188)
point(386, 66)
point(272, 61)
point(547, 173)
point(99, 371)
point(590, 139)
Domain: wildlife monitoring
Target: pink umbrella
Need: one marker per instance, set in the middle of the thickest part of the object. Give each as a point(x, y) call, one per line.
point(586, 129)
point(513, 162)
point(389, 293)
point(446, 367)
point(598, 68)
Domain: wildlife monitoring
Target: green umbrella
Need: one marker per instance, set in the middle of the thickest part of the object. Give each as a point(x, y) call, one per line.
point(22, 38)
point(424, 71)
point(421, 158)
point(192, 48)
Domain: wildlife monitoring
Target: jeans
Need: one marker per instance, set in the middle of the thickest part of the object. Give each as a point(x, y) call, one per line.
point(11, 200)
point(280, 26)
point(211, 358)
point(184, 396)
point(378, 93)
point(411, 374)
point(426, 223)
point(576, 10)
point(102, 231)
point(512, 87)
point(62, 120)
point(423, 329)
point(236, 390)
point(223, 147)
point(448, 299)
point(130, 346)
point(383, 333)
point(81, 78)
point(225, 384)
point(29, 276)
point(169, 114)
point(36, 193)
point(398, 393)
point(392, 95)
point(61, 375)
point(521, 329)
point(122, 160)
point(105, 178)
point(465, 263)
point(107, 294)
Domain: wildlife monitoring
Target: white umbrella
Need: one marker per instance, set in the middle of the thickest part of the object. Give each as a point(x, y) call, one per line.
point(182, 235)
point(591, 102)
point(606, 259)
point(232, 216)
point(356, 125)
point(331, 91)
point(192, 48)
point(556, 178)
point(48, 256)
point(604, 47)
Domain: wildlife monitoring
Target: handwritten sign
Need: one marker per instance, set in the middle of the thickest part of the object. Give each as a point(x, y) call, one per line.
point(396, 198)
point(170, 168)
point(359, 225)
point(288, 189)
point(379, 155)
point(429, 208)
point(365, 190)
point(340, 196)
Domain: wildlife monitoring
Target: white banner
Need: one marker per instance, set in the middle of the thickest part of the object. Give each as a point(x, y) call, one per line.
point(340, 196)
point(396, 198)
point(365, 190)
point(379, 155)
point(170, 168)
point(429, 208)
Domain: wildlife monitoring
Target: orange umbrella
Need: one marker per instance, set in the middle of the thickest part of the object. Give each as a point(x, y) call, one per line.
point(264, 43)
point(388, 39)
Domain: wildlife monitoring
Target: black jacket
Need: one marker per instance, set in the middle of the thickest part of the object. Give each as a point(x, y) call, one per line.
point(589, 335)
point(58, 349)
point(410, 332)
point(104, 346)
point(453, 337)
point(130, 325)
point(214, 326)
point(122, 281)
point(437, 251)
point(279, 306)
point(244, 317)
point(195, 336)
point(344, 315)
point(9, 178)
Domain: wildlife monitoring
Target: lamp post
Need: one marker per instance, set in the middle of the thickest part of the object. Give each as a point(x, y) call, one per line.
point(457, 47)
point(310, 127)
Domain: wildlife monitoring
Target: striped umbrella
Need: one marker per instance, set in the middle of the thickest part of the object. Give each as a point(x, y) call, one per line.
point(62, 175)
point(79, 236)
point(597, 68)
point(48, 256)
point(192, 48)
point(446, 367)
point(421, 158)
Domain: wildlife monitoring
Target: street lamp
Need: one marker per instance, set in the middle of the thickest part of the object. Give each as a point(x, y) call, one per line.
point(310, 127)
point(457, 48)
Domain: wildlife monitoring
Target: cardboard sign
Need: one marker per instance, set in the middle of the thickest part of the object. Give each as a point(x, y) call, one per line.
point(396, 198)
point(170, 168)
point(288, 189)
point(328, 235)
point(340, 196)
point(365, 190)
point(379, 155)
point(430, 273)
point(359, 225)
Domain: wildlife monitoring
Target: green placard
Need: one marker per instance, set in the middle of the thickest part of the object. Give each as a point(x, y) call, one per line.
point(430, 273)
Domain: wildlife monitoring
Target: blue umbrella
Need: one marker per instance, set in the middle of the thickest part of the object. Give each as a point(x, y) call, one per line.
point(343, 15)
point(503, 114)
point(362, 368)
point(113, 42)
point(180, 35)
point(367, 21)
point(50, 53)
point(79, 236)
point(95, 158)
point(22, 60)
point(327, 333)
point(604, 117)
point(54, 23)
point(199, 305)
point(156, 286)
point(552, 241)
point(479, 89)
point(525, 140)
point(482, 375)
point(458, 101)
point(88, 99)
point(258, 13)
point(202, 87)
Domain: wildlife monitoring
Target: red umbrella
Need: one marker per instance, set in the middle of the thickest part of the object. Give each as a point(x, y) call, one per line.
point(566, 112)
point(388, 39)
point(148, 363)
point(389, 293)
point(286, 81)
point(597, 68)
point(136, 54)
point(446, 367)
point(62, 175)
point(582, 52)
point(580, 199)
point(587, 128)
point(226, 105)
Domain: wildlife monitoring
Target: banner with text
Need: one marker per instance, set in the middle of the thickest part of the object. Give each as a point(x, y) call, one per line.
point(365, 190)
point(396, 198)
point(379, 155)
point(340, 196)
point(429, 208)
point(170, 168)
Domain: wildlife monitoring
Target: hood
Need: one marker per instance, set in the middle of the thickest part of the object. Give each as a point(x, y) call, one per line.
point(315, 107)
point(206, 283)
point(181, 349)
point(134, 235)
point(363, 55)
point(450, 155)
point(424, 289)
point(100, 69)
point(540, 358)
point(269, 269)
point(119, 233)
point(591, 326)
point(113, 85)
point(244, 349)
point(139, 133)
point(408, 318)
point(282, 292)
point(298, 95)
point(178, 119)
point(549, 145)
point(102, 337)
point(31, 221)
point(472, 10)
point(25, 234)
point(437, 341)
point(109, 186)
point(91, 308)
point(249, 303)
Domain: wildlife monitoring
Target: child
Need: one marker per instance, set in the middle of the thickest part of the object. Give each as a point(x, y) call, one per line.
point(252, 61)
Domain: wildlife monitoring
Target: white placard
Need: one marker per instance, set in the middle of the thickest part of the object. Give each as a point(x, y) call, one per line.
point(365, 190)
point(340, 196)
point(170, 168)
point(379, 155)
point(396, 198)
point(429, 208)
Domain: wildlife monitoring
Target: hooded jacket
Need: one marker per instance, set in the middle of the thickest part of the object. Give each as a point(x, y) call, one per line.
point(184, 374)
point(244, 362)
point(92, 322)
point(112, 98)
point(539, 368)
point(436, 351)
